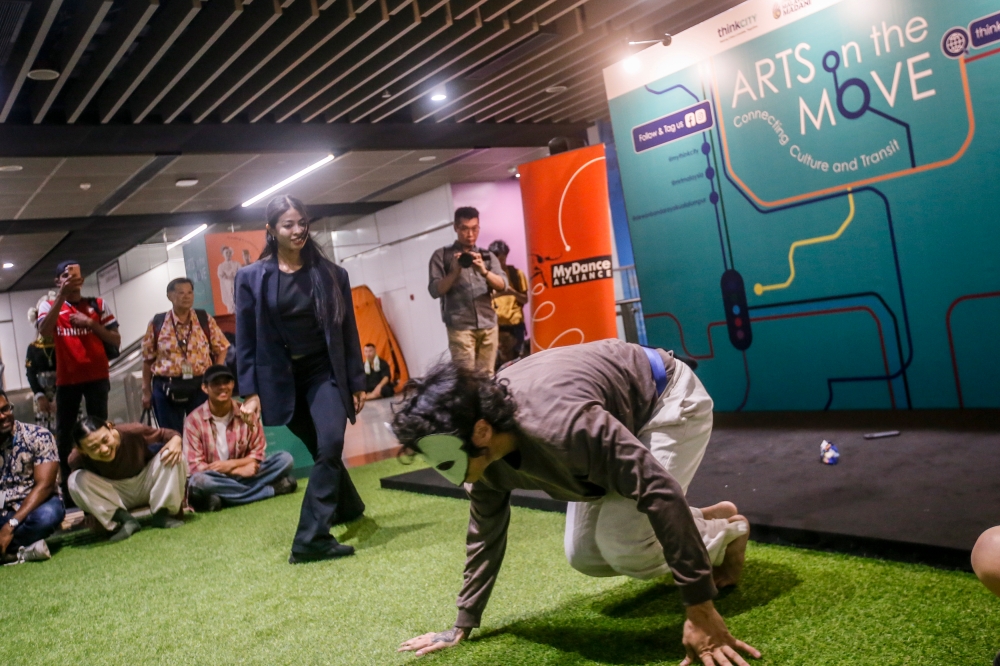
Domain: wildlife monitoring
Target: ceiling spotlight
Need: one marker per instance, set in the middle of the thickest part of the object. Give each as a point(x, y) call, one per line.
point(439, 94)
point(666, 41)
point(84, 186)
point(632, 65)
point(553, 90)
point(517, 175)
point(186, 182)
point(427, 158)
point(7, 264)
point(43, 74)
point(9, 168)
point(386, 94)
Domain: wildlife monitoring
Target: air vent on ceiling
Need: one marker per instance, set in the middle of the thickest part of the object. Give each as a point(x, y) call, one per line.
point(12, 14)
point(533, 43)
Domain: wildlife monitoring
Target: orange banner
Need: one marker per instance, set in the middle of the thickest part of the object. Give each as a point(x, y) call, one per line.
point(567, 222)
point(227, 253)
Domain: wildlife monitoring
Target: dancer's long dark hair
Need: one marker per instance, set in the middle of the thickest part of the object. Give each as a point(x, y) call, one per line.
point(314, 260)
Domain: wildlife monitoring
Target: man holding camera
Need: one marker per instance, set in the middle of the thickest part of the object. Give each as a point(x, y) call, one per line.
point(464, 277)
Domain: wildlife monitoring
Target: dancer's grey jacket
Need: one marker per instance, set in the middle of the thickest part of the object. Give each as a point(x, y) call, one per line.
point(579, 409)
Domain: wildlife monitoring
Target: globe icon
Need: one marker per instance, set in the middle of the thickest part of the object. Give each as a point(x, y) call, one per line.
point(955, 43)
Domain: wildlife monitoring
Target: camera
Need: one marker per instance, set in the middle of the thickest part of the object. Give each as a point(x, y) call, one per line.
point(465, 260)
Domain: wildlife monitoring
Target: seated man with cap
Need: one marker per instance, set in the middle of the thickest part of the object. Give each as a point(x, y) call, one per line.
point(616, 430)
point(225, 455)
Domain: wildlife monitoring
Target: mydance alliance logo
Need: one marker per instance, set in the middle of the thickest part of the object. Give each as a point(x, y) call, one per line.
point(789, 7)
point(583, 270)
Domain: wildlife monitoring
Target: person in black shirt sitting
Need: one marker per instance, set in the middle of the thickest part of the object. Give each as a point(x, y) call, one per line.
point(378, 376)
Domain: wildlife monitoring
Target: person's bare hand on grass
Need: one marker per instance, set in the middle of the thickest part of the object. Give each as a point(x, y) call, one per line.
point(708, 642)
point(432, 642)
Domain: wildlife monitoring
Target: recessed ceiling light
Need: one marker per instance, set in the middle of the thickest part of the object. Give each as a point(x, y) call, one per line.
point(7, 264)
point(427, 158)
point(386, 94)
point(512, 170)
point(439, 94)
point(85, 186)
point(553, 90)
point(43, 74)
point(186, 182)
point(11, 167)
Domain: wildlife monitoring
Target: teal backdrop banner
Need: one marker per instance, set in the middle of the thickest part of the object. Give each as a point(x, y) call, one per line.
point(813, 195)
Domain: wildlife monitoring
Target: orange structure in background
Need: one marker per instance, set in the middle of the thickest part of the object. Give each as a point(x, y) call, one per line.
point(567, 220)
point(373, 328)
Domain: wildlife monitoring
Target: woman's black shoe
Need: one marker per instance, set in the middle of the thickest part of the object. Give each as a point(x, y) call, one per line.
point(331, 553)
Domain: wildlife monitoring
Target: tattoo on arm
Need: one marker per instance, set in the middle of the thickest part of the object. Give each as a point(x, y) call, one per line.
point(449, 636)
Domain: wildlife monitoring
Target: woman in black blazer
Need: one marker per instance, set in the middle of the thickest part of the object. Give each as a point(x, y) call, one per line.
point(299, 364)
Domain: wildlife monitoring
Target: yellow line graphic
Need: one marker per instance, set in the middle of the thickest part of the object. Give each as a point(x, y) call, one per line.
point(760, 288)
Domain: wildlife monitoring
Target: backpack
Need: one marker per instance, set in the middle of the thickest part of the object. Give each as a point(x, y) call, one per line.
point(111, 351)
point(161, 317)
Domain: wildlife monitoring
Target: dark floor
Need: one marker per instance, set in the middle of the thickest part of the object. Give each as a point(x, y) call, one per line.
point(923, 496)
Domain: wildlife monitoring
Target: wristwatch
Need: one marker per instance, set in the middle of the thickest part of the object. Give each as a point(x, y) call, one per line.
point(13, 522)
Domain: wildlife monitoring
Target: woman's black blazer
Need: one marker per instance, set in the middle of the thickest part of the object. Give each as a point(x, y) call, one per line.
point(263, 360)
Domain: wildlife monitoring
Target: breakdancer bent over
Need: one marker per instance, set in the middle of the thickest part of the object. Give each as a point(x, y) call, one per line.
point(615, 429)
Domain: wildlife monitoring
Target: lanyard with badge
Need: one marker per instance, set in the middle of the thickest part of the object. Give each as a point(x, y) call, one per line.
point(187, 370)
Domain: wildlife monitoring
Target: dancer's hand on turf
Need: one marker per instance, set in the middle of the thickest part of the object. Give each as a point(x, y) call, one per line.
point(433, 642)
point(708, 641)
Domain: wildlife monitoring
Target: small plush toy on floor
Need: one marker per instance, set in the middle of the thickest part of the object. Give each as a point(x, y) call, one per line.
point(828, 453)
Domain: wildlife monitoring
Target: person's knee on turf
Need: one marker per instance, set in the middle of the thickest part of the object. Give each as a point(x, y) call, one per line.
point(119, 468)
point(986, 559)
point(226, 456)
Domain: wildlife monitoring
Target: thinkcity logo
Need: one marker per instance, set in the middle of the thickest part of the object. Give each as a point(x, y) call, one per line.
point(789, 7)
point(738, 27)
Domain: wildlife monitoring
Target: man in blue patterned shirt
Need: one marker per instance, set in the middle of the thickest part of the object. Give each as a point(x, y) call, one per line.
point(31, 506)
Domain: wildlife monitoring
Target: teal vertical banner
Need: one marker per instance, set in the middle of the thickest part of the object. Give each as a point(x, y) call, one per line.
point(812, 193)
point(196, 267)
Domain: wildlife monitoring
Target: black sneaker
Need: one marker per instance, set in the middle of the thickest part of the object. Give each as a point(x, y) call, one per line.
point(286, 485)
point(162, 520)
point(204, 503)
point(331, 553)
point(127, 526)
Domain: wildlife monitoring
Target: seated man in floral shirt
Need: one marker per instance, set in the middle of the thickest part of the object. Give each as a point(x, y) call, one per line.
point(31, 506)
point(225, 456)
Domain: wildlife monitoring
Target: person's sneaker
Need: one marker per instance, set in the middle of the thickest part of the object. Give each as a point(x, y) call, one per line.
point(286, 485)
point(127, 526)
point(36, 552)
point(163, 520)
point(331, 553)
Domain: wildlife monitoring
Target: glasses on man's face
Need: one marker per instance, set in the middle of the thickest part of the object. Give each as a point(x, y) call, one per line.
point(6, 409)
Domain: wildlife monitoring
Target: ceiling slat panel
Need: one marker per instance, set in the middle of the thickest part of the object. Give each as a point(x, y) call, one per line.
point(364, 26)
point(85, 24)
point(288, 28)
point(37, 25)
point(421, 61)
point(204, 32)
point(114, 45)
point(165, 29)
point(331, 23)
point(428, 36)
point(247, 29)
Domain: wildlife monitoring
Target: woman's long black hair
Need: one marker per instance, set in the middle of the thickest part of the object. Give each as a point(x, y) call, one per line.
point(314, 260)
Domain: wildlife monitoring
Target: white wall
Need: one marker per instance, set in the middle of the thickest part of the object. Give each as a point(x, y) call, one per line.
point(372, 252)
point(134, 304)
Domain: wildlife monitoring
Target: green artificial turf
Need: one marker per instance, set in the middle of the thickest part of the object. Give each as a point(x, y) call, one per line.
point(220, 591)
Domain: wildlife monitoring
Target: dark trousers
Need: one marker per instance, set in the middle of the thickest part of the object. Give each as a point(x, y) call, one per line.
point(319, 420)
point(170, 414)
point(68, 399)
point(39, 524)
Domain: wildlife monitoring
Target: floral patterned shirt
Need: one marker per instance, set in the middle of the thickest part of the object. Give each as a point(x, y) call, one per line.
point(28, 446)
point(168, 356)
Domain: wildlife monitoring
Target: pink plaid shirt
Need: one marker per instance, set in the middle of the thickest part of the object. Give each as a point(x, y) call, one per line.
point(200, 436)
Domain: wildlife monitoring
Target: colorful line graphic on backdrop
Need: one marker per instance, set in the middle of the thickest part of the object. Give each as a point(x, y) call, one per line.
point(759, 288)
